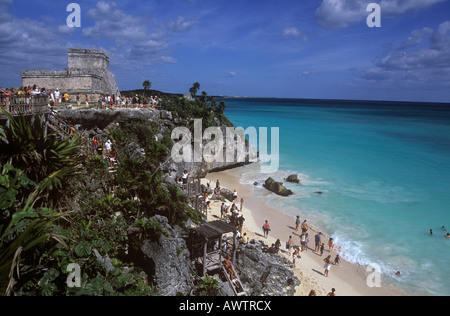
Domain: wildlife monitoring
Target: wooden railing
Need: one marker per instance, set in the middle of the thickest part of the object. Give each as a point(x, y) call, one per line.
point(25, 105)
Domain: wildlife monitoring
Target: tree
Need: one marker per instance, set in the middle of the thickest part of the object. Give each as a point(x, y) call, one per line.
point(147, 85)
point(194, 89)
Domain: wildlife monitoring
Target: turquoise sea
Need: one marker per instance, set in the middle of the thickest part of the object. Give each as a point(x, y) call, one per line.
point(384, 170)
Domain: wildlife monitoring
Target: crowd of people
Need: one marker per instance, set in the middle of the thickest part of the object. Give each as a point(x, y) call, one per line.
point(59, 98)
point(106, 150)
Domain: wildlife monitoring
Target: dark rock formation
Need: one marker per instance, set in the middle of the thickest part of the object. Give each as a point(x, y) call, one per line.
point(277, 187)
point(293, 178)
point(169, 259)
point(265, 274)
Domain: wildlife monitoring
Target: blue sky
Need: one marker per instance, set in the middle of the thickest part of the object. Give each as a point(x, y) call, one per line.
point(295, 49)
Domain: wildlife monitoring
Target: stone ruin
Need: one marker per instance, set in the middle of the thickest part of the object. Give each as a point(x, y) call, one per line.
point(87, 73)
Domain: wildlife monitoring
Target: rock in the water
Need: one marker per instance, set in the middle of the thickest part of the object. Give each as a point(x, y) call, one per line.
point(277, 187)
point(293, 178)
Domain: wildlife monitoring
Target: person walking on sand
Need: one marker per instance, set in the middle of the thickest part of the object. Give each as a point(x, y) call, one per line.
point(304, 227)
point(331, 245)
point(327, 266)
point(337, 261)
point(303, 241)
point(297, 223)
point(266, 229)
point(322, 249)
point(318, 242)
point(290, 245)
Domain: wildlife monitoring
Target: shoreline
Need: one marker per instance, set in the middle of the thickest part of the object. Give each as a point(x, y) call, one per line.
point(347, 278)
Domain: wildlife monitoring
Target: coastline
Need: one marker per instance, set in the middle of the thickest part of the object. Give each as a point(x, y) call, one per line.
point(348, 279)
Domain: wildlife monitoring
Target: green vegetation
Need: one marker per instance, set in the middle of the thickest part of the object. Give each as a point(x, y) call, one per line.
point(59, 207)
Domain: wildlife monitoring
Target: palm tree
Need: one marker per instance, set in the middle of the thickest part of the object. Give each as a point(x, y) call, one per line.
point(194, 89)
point(147, 85)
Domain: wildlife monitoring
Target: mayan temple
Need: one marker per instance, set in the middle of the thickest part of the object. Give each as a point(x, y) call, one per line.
point(87, 73)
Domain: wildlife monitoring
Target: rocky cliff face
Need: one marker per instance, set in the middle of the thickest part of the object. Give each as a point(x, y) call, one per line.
point(97, 122)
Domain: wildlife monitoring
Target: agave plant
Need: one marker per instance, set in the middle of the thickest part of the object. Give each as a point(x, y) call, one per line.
point(21, 226)
point(45, 158)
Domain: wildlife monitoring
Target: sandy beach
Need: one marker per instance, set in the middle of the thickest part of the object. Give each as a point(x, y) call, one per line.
point(348, 279)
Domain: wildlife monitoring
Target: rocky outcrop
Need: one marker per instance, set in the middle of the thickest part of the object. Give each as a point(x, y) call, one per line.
point(264, 274)
point(277, 187)
point(168, 257)
point(98, 122)
point(293, 178)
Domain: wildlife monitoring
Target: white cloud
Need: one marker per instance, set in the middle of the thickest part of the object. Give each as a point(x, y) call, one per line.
point(422, 60)
point(182, 25)
point(335, 14)
point(293, 32)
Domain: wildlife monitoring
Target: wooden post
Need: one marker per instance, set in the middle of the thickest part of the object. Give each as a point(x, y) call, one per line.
point(220, 248)
point(234, 248)
point(205, 249)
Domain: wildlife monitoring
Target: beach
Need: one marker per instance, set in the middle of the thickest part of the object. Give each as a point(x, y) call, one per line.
point(348, 279)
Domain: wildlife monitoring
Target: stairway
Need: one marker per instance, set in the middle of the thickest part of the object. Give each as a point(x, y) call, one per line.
point(236, 283)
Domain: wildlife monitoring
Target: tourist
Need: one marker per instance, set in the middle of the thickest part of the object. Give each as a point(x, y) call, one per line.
point(332, 293)
point(185, 177)
point(266, 229)
point(303, 241)
point(448, 235)
point(306, 241)
point(78, 99)
point(223, 210)
point(331, 245)
point(242, 203)
point(56, 95)
point(278, 244)
point(229, 267)
point(207, 201)
point(274, 250)
point(295, 256)
point(86, 100)
point(244, 240)
point(108, 145)
point(235, 196)
point(337, 261)
point(100, 150)
point(217, 184)
point(94, 144)
point(112, 157)
point(290, 244)
point(322, 249)
point(318, 242)
point(327, 266)
point(312, 293)
point(297, 223)
point(304, 227)
point(66, 98)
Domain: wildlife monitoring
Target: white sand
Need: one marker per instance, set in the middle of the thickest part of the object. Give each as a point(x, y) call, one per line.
point(310, 268)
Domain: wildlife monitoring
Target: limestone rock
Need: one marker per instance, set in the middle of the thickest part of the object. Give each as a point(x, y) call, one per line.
point(277, 187)
point(293, 178)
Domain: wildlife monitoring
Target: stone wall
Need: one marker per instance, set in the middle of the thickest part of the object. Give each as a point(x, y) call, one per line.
point(87, 59)
point(88, 74)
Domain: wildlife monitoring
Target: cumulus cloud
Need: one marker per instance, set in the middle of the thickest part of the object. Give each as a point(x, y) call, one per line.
point(335, 14)
point(422, 59)
point(130, 34)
